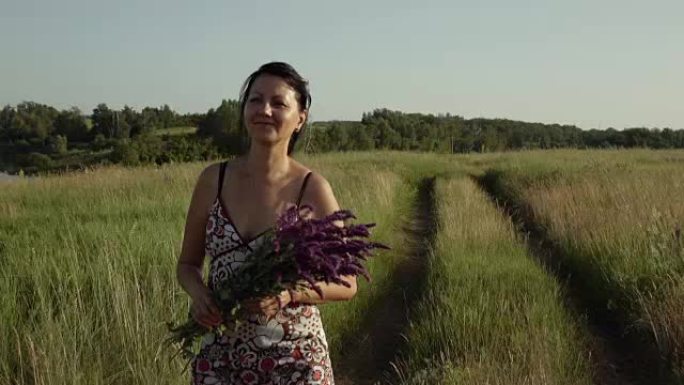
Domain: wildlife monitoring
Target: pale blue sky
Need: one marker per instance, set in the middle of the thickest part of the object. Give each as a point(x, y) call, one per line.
point(593, 63)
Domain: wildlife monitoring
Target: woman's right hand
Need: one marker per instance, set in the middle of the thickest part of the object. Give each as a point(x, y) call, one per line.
point(204, 310)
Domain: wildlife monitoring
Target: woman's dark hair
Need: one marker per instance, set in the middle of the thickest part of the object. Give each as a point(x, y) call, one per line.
point(292, 78)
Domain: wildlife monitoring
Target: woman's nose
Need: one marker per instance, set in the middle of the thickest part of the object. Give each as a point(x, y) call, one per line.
point(265, 108)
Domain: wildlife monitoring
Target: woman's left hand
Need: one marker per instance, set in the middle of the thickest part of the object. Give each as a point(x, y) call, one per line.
point(268, 306)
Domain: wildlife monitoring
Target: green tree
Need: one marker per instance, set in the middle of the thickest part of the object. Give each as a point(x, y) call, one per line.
point(71, 124)
point(223, 126)
point(32, 121)
point(149, 117)
point(103, 121)
point(6, 117)
point(125, 152)
point(149, 148)
point(166, 116)
point(37, 160)
point(338, 137)
point(57, 144)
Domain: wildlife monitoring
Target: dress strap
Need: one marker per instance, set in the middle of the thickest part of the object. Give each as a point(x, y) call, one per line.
point(301, 191)
point(222, 173)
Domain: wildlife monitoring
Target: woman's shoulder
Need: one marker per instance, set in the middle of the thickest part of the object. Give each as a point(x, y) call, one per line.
point(213, 169)
point(317, 191)
point(316, 180)
point(210, 175)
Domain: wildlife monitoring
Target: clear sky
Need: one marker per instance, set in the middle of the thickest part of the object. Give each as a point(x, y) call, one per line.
point(596, 64)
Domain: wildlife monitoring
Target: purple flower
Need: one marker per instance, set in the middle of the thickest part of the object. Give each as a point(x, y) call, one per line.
point(322, 250)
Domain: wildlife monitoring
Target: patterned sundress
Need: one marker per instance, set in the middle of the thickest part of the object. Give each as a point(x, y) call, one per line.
point(289, 348)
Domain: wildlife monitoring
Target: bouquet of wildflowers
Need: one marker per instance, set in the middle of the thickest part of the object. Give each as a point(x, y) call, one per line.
point(297, 254)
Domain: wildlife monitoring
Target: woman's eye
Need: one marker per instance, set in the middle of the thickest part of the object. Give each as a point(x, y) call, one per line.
point(253, 99)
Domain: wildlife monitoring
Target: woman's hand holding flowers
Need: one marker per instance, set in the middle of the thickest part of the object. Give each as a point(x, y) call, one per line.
point(204, 309)
point(269, 305)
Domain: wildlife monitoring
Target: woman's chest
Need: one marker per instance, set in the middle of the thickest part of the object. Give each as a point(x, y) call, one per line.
point(251, 214)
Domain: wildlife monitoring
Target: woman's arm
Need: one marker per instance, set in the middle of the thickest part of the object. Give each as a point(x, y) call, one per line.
point(191, 259)
point(331, 292)
point(320, 196)
point(269, 306)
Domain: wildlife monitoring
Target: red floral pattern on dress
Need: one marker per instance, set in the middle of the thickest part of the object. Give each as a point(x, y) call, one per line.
point(288, 349)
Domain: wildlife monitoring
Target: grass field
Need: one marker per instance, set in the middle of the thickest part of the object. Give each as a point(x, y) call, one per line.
point(88, 267)
point(181, 130)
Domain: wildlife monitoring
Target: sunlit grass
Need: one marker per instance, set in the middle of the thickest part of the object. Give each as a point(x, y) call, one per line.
point(88, 265)
point(89, 261)
point(180, 130)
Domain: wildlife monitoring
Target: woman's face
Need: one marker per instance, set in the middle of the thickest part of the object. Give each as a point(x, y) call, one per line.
point(272, 111)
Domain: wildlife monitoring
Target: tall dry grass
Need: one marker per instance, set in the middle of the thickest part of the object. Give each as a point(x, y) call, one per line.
point(88, 269)
point(628, 226)
point(618, 217)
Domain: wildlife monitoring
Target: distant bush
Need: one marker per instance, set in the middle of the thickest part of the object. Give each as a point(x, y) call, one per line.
point(36, 160)
point(149, 147)
point(125, 153)
point(57, 144)
point(22, 144)
point(188, 148)
point(36, 142)
point(99, 142)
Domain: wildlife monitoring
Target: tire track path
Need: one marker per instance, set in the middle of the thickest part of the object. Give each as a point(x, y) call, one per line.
point(367, 360)
point(617, 357)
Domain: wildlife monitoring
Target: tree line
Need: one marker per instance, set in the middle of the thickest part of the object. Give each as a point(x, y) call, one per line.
point(37, 137)
point(34, 122)
point(396, 130)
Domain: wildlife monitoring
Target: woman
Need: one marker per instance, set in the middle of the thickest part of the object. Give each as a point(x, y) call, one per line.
point(282, 340)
